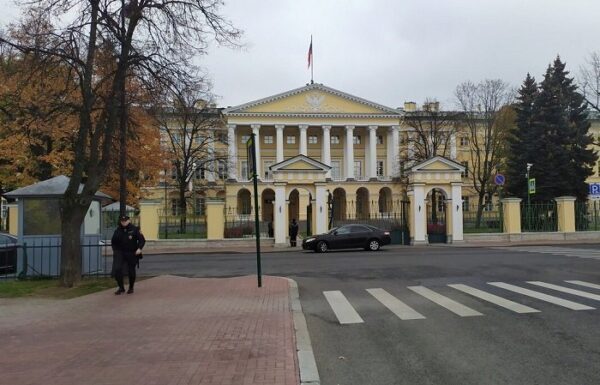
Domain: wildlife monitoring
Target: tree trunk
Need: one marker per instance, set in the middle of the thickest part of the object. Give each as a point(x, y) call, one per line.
point(183, 209)
point(479, 209)
point(72, 217)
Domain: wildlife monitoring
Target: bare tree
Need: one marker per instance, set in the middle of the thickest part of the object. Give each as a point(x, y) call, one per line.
point(154, 40)
point(481, 105)
point(589, 82)
point(193, 142)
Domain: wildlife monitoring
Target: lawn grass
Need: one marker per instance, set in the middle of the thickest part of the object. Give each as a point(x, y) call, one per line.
point(49, 288)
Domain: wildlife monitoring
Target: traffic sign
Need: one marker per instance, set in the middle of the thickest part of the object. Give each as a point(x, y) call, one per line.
point(532, 186)
point(499, 179)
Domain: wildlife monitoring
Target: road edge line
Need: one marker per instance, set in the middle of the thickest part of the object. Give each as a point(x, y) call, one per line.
point(309, 374)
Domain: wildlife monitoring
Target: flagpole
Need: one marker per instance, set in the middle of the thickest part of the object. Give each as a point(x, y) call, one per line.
point(312, 63)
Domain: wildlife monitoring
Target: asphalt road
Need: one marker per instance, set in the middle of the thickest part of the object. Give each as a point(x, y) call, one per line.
point(494, 345)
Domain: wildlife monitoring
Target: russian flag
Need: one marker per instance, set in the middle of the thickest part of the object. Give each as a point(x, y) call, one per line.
point(310, 56)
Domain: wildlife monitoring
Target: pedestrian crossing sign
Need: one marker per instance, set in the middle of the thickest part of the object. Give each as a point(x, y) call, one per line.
point(532, 186)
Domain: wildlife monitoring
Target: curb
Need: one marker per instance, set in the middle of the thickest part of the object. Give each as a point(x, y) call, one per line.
point(309, 375)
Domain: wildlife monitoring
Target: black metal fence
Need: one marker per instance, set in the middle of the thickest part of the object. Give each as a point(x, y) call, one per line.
point(241, 224)
point(587, 215)
point(539, 217)
point(182, 226)
point(110, 221)
point(42, 260)
point(490, 221)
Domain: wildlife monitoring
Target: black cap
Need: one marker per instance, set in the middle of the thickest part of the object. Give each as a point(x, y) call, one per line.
point(124, 218)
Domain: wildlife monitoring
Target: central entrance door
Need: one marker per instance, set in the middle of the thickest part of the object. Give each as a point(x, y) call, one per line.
point(436, 217)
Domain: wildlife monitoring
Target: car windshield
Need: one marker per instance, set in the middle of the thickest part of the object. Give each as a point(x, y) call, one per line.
point(332, 230)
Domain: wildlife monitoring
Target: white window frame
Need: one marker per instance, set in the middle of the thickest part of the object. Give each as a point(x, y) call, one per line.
point(245, 138)
point(290, 139)
point(359, 173)
point(268, 139)
point(268, 174)
point(336, 172)
point(313, 139)
point(335, 139)
point(356, 139)
point(379, 139)
point(380, 166)
point(244, 169)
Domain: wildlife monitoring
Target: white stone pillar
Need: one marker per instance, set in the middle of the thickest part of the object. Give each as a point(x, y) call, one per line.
point(231, 152)
point(321, 208)
point(256, 132)
point(326, 148)
point(453, 146)
point(411, 146)
point(280, 212)
point(303, 140)
point(279, 141)
point(419, 213)
point(457, 213)
point(372, 155)
point(209, 171)
point(349, 152)
point(394, 152)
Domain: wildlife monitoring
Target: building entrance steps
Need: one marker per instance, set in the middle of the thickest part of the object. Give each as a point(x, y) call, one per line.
point(173, 330)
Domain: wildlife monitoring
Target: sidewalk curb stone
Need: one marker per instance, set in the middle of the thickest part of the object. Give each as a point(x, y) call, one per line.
point(309, 374)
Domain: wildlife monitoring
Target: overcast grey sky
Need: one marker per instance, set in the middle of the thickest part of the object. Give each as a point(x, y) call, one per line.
point(395, 51)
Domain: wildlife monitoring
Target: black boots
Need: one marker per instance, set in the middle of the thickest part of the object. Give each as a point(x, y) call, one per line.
point(130, 291)
point(120, 291)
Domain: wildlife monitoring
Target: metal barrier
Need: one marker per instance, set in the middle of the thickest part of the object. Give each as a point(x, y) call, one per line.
point(587, 215)
point(110, 221)
point(539, 217)
point(490, 220)
point(183, 226)
point(43, 260)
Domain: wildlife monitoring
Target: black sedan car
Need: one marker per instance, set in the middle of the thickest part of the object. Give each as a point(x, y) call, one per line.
point(8, 254)
point(347, 237)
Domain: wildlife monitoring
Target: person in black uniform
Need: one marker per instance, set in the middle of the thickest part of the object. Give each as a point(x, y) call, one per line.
point(293, 232)
point(127, 244)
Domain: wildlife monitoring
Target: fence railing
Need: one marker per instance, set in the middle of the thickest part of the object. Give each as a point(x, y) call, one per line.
point(43, 259)
point(183, 226)
point(110, 221)
point(587, 215)
point(539, 217)
point(489, 221)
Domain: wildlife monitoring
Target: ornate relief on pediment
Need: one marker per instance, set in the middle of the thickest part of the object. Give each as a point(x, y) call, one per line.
point(314, 102)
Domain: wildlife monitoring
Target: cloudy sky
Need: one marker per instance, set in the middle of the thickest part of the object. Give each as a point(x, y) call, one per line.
point(395, 51)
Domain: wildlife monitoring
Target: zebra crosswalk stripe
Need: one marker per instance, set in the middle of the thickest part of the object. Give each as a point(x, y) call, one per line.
point(453, 306)
point(343, 310)
point(541, 296)
point(567, 290)
point(402, 310)
point(505, 303)
point(583, 283)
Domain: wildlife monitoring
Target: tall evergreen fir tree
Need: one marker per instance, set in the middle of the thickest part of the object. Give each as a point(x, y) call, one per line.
point(522, 139)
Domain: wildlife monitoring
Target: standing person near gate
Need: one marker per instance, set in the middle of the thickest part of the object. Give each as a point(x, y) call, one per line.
point(293, 232)
point(127, 244)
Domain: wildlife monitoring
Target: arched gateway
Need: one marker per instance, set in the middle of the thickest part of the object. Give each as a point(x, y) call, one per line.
point(435, 193)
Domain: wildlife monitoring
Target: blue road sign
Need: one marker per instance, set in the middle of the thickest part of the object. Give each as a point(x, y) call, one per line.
point(499, 179)
point(595, 189)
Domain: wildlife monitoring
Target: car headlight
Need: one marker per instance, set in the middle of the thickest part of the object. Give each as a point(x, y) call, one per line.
point(309, 240)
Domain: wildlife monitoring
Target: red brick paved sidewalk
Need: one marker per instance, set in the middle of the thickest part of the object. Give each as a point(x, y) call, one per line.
point(172, 331)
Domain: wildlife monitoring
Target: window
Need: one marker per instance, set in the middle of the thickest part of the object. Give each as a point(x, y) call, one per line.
point(312, 140)
point(201, 139)
point(379, 139)
point(380, 168)
point(359, 229)
point(175, 207)
point(335, 139)
point(245, 138)
point(173, 172)
point(465, 203)
point(466, 166)
point(222, 170)
point(356, 139)
point(244, 169)
point(464, 141)
point(291, 140)
point(343, 230)
point(336, 173)
point(176, 138)
point(357, 168)
point(441, 204)
point(199, 206)
point(268, 139)
point(487, 205)
point(40, 217)
point(268, 174)
point(200, 173)
point(221, 137)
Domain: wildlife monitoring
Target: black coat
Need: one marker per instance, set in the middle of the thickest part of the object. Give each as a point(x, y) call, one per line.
point(127, 239)
point(294, 230)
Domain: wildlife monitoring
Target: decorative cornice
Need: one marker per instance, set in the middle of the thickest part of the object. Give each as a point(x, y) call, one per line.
point(309, 115)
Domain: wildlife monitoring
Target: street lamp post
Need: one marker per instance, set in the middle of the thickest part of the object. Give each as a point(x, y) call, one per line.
point(529, 165)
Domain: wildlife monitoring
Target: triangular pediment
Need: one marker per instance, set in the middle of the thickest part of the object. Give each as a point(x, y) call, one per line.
point(300, 163)
point(438, 163)
point(312, 99)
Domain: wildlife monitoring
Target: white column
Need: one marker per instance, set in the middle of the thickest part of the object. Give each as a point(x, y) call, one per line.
point(453, 146)
point(279, 128)
point(321, 208)
point(280, 208)
point(372, 161)
point(231, 151)
point(256, 132)
point(394, 152)
point(349, 152)
point(457, 213)
point(418, 210)
point(303, 141)
point(326, 148)
point(210, 171)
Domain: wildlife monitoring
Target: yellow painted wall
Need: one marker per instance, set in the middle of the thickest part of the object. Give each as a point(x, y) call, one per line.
point(215, 220)
point(13, 219)
point(565, 207)
point(149, 220)
point(512, 215)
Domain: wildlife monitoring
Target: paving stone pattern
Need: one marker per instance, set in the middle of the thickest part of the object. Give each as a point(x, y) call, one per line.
point(172, 331)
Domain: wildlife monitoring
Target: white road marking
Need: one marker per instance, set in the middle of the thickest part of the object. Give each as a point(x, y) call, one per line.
point(344, 312)
point(505, 303)
point(542, 296)
point(402, 310)
point(446, 302)
point(586, 284)
point(563, 251)
point(567, 290)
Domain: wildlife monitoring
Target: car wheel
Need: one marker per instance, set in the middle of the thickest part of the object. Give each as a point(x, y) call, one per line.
point(374, 245)
point(321, 247)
